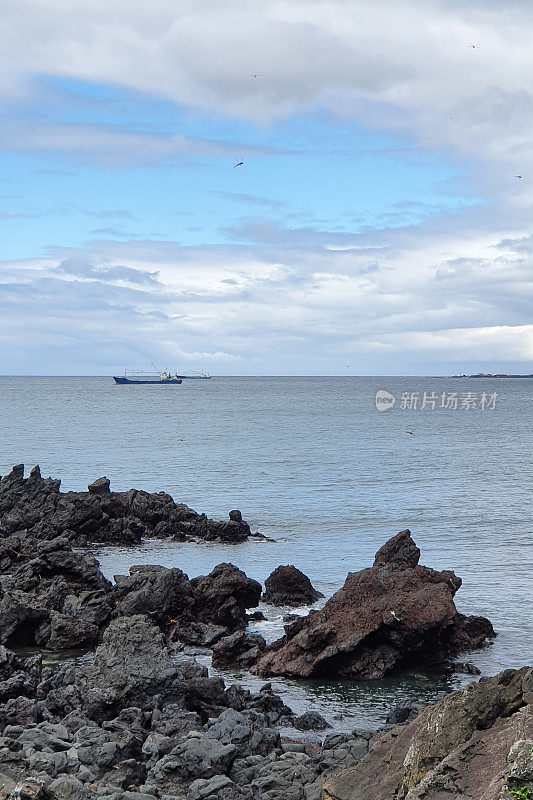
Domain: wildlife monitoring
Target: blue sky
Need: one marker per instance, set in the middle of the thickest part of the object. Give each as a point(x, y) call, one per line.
point(377, 219)
point(306, 171)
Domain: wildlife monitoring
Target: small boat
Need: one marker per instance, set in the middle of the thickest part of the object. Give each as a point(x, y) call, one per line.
point(164, 378)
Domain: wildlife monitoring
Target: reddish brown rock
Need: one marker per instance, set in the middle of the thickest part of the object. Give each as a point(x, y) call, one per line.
point(384, 617)
point(475, 744)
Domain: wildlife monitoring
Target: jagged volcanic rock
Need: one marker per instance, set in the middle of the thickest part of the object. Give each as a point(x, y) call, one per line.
point(57, 599)
point(224, 595)
point(384, 617)
point(36, 506)
point(18, 676)
point(238, 648)
point(133, 666)
point(475, 744)
point(165, 594)
point(288, 586)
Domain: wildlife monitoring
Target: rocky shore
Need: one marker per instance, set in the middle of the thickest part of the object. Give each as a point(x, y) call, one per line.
point(136, 718)
point(137, 721)
point(37, 507)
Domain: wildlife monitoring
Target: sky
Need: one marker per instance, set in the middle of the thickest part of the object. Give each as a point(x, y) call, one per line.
point(381, 222)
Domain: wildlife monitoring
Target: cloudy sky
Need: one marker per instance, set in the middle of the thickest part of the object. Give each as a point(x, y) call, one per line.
point(377, 225)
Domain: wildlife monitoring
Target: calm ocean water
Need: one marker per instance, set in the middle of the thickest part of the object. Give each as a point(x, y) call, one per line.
point(311, 463)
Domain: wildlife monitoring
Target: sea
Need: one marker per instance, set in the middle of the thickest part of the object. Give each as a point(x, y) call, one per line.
point(314, 464)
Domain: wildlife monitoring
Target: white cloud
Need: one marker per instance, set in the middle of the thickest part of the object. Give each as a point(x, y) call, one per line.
point(285, 304)
point(497, 343)
point(407, 66)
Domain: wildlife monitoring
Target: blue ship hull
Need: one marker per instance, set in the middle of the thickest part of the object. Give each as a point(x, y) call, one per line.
point(140, 380)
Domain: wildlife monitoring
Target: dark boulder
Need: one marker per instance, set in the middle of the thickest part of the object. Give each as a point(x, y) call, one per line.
point(287, 586)
point(256, 616)
point(403, 712)
point(99, 486)
point(311, 721)
point(60, 632)
point(466, 668)
point(223, 596)
point(393, 614)
point(19, 677)
point(57, 599)
point(239, 648)
point(165, 594)
point(201, 634)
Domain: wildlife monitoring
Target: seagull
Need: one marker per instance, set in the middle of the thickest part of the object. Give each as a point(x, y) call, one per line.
point(473, 44)
point(238, 163)
point(255, 75)
point(518, 176)
point(411, 433)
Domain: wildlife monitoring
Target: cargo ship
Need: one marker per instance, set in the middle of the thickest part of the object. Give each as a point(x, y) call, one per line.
point(163, 379)
point(196, 376)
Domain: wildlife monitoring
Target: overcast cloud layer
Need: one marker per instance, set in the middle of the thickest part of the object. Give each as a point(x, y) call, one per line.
point(425, 288)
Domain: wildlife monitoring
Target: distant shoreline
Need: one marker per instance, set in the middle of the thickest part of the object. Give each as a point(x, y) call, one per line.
point(489, 375)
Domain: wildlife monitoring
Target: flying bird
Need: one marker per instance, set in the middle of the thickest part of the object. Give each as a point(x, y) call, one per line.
point(473, 44)
point(238, 163)
point(411, 433)
point(255, 75)
point(518, 176)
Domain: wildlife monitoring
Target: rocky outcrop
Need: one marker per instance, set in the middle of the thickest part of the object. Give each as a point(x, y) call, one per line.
point(390, 615)
point(223, 596)
point(135, 722)
point(133, 667)
point(36, 505)
point(475, 744)
point(56, 599)
point(287, 586)
point(199, 611)
point(238, 648)
point(166, 595)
